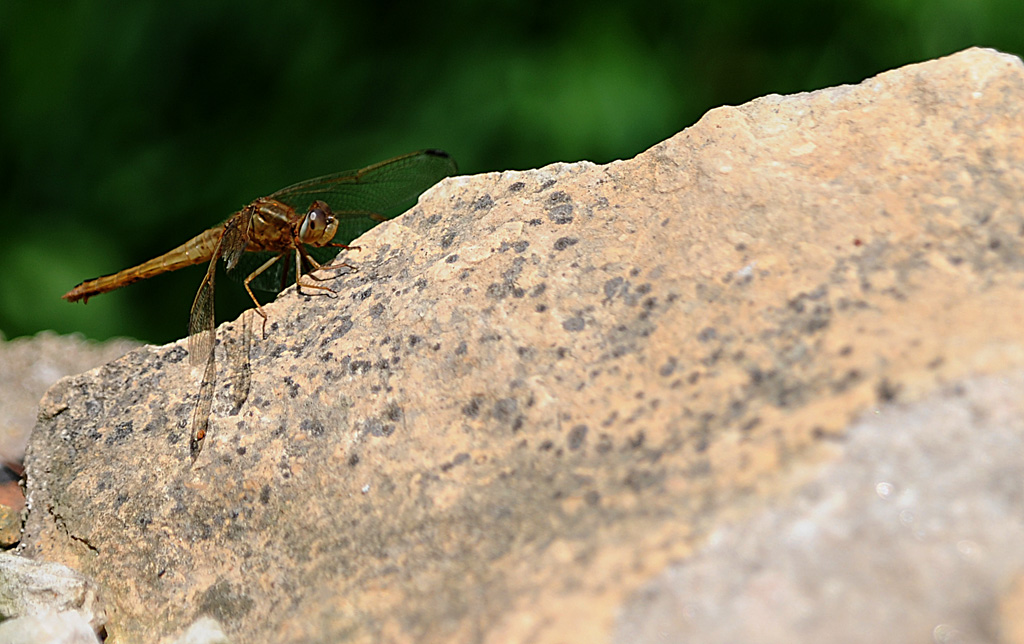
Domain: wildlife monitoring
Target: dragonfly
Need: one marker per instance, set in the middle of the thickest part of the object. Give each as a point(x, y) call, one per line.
point(311, 220)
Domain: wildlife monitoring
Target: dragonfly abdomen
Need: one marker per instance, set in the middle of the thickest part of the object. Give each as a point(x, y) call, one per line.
point(197, 250)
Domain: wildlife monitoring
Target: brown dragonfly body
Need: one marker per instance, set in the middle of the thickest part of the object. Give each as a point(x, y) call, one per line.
point(264, 225)
point(306, 218)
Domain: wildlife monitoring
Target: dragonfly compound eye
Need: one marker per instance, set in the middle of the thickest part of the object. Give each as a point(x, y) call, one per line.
point(318, 226)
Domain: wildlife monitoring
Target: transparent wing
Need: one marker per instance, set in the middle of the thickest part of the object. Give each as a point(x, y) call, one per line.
point(200, 319)
point(360, 199)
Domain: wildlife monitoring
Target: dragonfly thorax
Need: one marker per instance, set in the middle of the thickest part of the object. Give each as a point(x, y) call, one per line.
point(318, 226)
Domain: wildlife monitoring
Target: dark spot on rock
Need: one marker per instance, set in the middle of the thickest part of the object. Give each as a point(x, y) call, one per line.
point(375, 427)
point(561, 352)
point(505, 408)
point(850, 378)
point(459, 459)
point(540, 308)
point(451, 259)
point(447, 240)
point(561, 214)
point(517, 186)
point(639, 480)
point(420, 284)
point(265, 495)
point(886, 390)
point(353, 460)
point(546, 446)
point(547, 184)
point(812, 310)
point(604, 444)
point(668, 368)
point(120, 433)
point(376, 310)
point(707, 334)
point(393, 412)
point(534, 222)
point(575, 323)
point(564, 242)
point(433, 219)
point(538, 290)
point(520, 246)
point(225, 602)
point(175, 355)
point(472, 408)
point(577, 436)
point(312, 427)
point(517, 424)
point(360, 366)
point(461, 349)
point(364, 295)
point(499, 290)
point(750, 424)
point(483, 203)
point(637, 440)
point(293, 387)
point(414, 340)
point(344, 326)
point(615, 286)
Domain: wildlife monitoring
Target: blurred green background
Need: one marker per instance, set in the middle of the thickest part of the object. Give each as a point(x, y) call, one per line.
point(126, 128)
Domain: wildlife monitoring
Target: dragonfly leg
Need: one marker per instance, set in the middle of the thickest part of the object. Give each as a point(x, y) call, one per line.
point(318, 266)
point(303, 255)
point(343, 246)
point(253, 275)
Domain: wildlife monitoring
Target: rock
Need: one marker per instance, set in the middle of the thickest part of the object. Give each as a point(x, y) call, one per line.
point(544, 393)
point(67, 627)
point(29, 366)
point(911, 531)
point(10, 526)
point(36, 588)
point(204, 631)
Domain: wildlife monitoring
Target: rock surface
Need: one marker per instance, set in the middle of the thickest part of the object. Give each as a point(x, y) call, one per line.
point(39, 589)
point(914, 531)
point(29, 366)
point(545, 395)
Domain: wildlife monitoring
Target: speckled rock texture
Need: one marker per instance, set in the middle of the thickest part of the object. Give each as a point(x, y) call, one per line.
point(543, 393)
point(29, 366)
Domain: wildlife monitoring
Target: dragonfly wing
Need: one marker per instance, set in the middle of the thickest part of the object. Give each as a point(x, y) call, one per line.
point(363, 198)
point(360, 199)
point(235, 238)
point(200, 320)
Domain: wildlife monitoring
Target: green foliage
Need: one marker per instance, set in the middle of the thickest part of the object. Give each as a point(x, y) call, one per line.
point(127, 128)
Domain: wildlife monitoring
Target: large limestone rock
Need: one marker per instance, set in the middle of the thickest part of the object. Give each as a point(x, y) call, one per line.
point(548, 398)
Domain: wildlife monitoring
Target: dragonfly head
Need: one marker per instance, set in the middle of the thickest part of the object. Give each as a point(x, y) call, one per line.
point(318, 226)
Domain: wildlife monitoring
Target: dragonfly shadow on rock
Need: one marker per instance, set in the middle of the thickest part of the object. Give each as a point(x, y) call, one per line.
point(303, 226)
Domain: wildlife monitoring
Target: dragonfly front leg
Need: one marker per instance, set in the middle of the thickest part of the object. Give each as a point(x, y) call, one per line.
point(303, 255)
